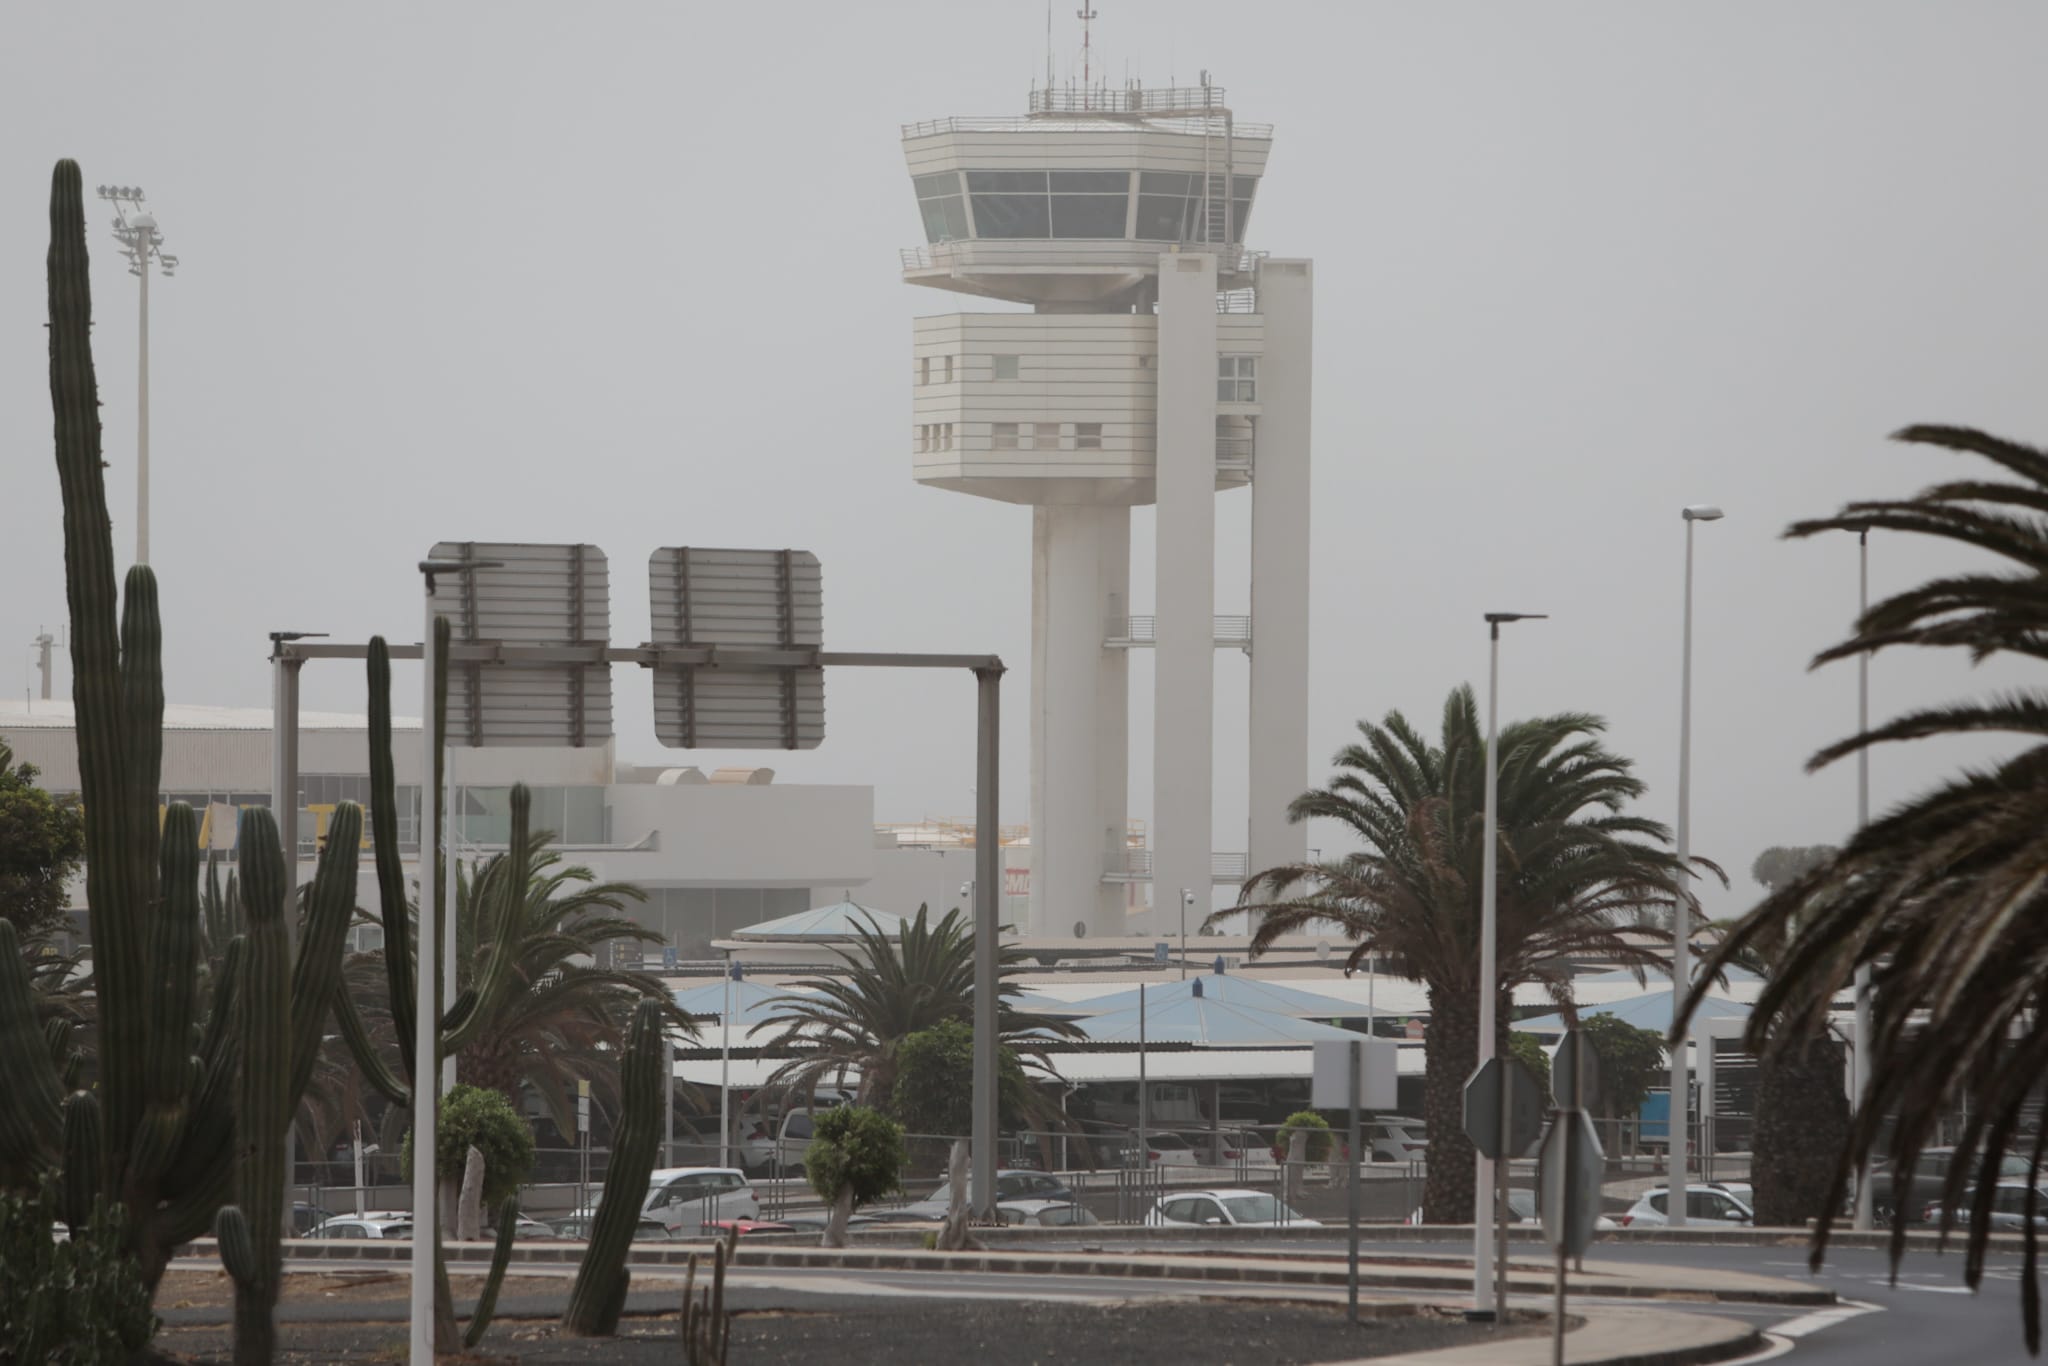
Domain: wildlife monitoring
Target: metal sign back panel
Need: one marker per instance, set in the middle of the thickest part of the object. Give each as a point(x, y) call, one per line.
point(538, 595)
point(757, 599)
point(1483, 1103)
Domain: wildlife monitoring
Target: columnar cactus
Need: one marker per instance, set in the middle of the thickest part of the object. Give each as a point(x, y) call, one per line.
point(501, 1257)
point(172, 1093)
point(600, 1292)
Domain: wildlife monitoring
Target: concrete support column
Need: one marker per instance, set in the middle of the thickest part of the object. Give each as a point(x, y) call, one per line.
point(1080, 692)
point(1278, 732)
point(1184, 692)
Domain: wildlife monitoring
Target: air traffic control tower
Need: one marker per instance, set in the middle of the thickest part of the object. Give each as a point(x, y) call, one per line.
point(1162, 363)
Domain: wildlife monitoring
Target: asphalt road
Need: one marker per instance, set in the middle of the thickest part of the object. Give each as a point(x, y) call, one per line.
point(1927, 1316)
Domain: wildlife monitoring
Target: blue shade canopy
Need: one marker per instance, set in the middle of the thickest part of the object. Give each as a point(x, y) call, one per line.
point(751, 1002)
point(1651, 1010)
point(1231, 989)
point(1031, 1003)
point(836, 921)
point(1203, 1020)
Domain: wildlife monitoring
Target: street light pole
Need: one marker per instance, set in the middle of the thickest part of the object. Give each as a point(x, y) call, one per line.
point(426, 1223)
point(1860, 1065)
point(135, 229)
point(1681, 913)
point(1483, 1300)
point(1187, 899)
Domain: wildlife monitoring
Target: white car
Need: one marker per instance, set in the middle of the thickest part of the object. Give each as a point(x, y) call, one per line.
point(1165, 1149)
point(1395, 1138)
point(380, 1224)
point(1228, 1208)
point(684, 1199)
point(1046, 1213)
point(1710, 1206)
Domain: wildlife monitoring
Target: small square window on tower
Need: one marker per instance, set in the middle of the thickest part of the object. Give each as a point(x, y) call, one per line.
point(1087, 436)
point(1005, 367)
point(1237, 379)
point(1045, 436)
point(1004, 436)
point(924, 369)
point(945, 369)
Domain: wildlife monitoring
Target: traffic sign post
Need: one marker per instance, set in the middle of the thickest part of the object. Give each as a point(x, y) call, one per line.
point(1352, 1075)
point(1572, 1168)
point(1503, 1118)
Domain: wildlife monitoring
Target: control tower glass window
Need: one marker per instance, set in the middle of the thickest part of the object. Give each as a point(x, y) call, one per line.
point(1171, 207)
point(944, 209)
point(1067, 204)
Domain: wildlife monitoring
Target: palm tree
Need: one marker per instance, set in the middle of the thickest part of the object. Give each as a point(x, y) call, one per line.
point(1944, 896)
point(890, 989)
point(559, 1015)
point(1578, 877)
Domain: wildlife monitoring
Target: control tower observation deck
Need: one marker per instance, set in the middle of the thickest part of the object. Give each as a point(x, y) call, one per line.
point(1161, 362)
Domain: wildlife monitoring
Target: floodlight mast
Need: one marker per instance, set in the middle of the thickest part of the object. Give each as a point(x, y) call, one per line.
point(135, 229)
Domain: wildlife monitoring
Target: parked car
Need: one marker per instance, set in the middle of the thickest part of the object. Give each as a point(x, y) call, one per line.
point(2008, 1208)
point(1227, 1147)
point(745, 1226)
point(577, 1226)
point(1395, 1138)
point(1930, 1181)
point(1229, 1208)
point(306, 1218)
point(1046, 1213)
point(1710, 1205)
point(1011, 1185)
point(1522, 1210)
point(379, 1225)
point(686, 1198)
point(815, 1223)
point(532, 1228)
point(1165, 1148)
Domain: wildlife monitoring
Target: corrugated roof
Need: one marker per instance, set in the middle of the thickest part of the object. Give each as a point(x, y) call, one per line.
point(1651, 1010)
point(1233, 989)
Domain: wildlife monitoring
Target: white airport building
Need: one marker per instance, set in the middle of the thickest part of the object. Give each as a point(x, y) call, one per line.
point(1160, 362)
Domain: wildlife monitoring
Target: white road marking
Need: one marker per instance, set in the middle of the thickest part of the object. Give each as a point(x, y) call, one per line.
point(853, 1285)
point(1824, 1318)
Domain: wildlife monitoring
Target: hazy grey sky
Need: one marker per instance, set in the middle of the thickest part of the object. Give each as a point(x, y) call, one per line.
point(628, 275)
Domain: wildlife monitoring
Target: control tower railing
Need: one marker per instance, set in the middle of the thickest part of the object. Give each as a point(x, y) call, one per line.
point(1166, 102)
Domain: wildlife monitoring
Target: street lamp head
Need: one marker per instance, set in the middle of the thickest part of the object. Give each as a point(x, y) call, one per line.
point(1703, 512)
point(1496, 618)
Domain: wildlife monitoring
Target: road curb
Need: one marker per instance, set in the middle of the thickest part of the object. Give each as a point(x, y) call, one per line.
point(1321, 1273)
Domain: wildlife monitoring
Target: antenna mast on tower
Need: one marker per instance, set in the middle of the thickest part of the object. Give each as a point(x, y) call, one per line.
point(1086, 14)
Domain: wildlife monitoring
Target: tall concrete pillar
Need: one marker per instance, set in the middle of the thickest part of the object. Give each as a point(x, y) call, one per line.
point(1278, 732)
point(1080, 576)
point(1184, 691)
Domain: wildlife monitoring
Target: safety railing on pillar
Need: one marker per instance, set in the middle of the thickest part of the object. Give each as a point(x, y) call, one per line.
point(1142, 632)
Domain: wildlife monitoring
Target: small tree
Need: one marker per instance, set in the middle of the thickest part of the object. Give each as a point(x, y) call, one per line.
point(476, 1115)
point(1630, 1060)
point(1525, 1050)
point(934, 1088)
point(1314, 1128)
point(42, 841)
point(856, 1157)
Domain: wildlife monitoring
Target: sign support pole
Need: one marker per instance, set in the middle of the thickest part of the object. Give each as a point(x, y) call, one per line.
point(1357, 1062)
point(988, 885)
point(1500, 1194)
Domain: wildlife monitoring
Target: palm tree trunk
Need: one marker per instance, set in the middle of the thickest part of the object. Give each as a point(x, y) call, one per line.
point(1802, 1124)
point(1453, 1053)
point(1447, 1191)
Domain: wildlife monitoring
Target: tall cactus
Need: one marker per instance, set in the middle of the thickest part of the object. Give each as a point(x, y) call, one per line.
point(170, 1091)
point(600, 1292)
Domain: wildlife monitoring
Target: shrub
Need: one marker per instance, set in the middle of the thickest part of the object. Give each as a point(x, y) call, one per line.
point(855, 1149)
point(483, 1118)
point(1312, 1124)
point(78, 1302)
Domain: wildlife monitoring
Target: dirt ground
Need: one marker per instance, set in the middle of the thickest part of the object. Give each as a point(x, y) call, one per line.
point(988, 1333)
point(204, 1289)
